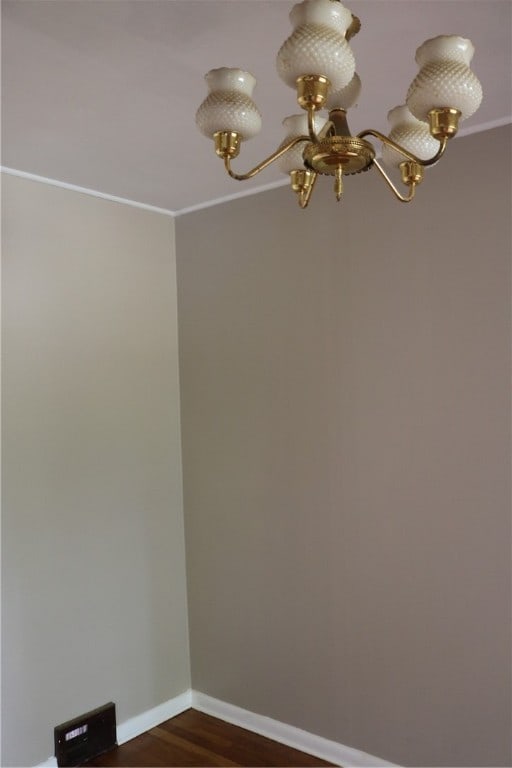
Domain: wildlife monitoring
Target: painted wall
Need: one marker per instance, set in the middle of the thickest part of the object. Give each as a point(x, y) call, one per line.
point(93, 590)
point(345, 378)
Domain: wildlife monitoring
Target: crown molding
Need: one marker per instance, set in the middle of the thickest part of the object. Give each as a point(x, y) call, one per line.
point(85, 191)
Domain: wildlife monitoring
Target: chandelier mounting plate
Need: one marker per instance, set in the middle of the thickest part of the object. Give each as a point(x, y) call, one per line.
point(352, 154)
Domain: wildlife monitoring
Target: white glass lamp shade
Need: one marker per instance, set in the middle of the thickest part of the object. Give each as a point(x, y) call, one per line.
point(317, 46)
point(444, 79)
point(412, 134)
point(297, 125)
point(229, 106)
point(347, 97)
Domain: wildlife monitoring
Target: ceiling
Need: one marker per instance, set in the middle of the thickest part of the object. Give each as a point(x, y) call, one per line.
point(102, 94)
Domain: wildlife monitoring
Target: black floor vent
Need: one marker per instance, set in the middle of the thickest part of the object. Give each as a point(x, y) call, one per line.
point(87, 736)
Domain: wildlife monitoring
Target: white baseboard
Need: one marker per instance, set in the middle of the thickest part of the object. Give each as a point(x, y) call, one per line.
point(153, 717)
point(139, 724)
point(304, 741)
point(331, 751)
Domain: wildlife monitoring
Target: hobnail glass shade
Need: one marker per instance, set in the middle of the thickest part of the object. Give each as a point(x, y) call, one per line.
point(347, 97)
point(317, 46)
point(297, 125)
point(412, 134)
point(228, 106)
point(444, 79)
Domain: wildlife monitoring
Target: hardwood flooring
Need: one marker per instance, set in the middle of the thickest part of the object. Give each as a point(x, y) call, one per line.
point(196, 739)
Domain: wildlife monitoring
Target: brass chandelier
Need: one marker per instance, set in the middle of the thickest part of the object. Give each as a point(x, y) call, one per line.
point(317, 61)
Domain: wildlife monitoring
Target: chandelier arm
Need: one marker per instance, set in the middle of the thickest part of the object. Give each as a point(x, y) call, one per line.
point(311, 124)
point(327, 130)
point(443, 142)
point(398, 194)
point(265, 163)
point(305, 195)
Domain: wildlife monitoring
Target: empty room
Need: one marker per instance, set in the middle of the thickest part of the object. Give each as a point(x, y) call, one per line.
point(256, 390)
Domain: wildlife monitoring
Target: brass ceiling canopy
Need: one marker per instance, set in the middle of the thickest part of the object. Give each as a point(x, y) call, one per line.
point(316, 61)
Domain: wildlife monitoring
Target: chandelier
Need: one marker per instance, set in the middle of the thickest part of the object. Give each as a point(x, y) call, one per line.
point(318, 62)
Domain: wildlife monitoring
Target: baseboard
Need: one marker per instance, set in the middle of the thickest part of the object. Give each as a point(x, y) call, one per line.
point(331, 751)
point(153, 717)
point(139, 724)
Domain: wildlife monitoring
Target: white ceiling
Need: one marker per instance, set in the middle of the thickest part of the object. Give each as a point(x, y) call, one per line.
point(102, 94)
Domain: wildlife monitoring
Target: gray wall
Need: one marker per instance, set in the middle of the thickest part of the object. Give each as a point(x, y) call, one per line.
point(345, 378)
point(94, 600)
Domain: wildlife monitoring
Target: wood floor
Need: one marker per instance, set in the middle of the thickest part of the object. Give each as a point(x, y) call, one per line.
point(195, 739)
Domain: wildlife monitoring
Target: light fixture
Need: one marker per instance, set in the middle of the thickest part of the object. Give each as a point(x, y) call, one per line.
point(317, 61)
